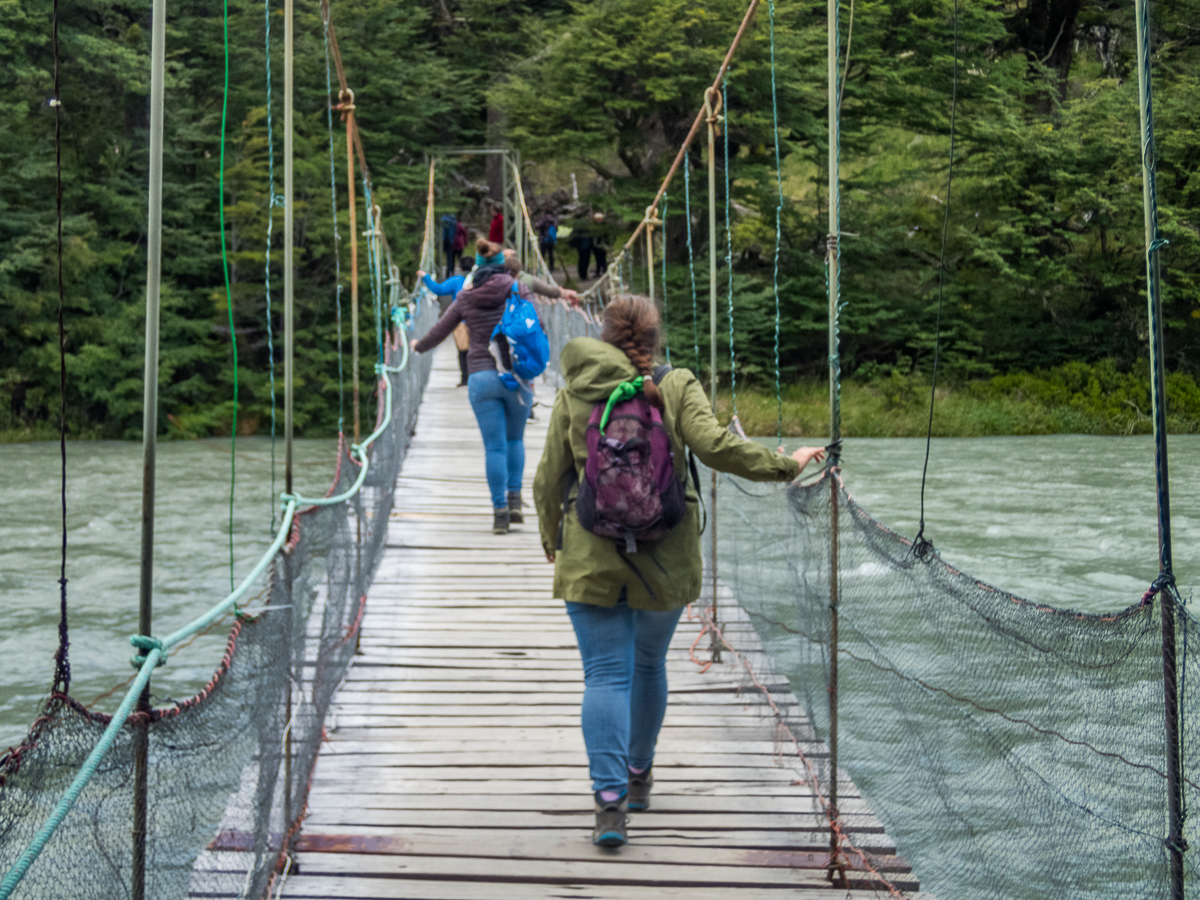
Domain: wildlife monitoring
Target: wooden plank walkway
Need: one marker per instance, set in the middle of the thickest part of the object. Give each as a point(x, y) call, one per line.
point(455, 767)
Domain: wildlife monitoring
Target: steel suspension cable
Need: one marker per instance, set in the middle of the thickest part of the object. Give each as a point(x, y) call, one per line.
point(729, 253)
point(337, 254)
point(271, 201)
point(228, 288)
point(921, 545)
point(687, 205)
point(62, 665)
point(778, 217)
point(666, 332)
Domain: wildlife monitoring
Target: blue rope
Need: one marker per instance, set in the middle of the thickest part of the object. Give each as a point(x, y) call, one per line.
point(687, 204)
point(337, 255)
point(778, 230)
point(666, 333)
point(272, 200)
point(729, 250)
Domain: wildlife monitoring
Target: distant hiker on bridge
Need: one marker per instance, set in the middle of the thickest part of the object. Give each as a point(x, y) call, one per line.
point(535, 285)
point(446, 291)
point(548, 238)
point(621, 522)
point(581, 241)
point(496, 231)
point(500, 411)
point(602, 236)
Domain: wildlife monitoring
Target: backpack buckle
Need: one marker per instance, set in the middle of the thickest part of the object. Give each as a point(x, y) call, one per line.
point(630, 543)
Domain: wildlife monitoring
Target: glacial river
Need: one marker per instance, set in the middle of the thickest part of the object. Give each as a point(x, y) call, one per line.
point(1063, 519)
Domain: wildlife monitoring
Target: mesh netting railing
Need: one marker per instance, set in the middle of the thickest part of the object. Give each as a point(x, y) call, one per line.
point(1010, 748)
point(230, 767)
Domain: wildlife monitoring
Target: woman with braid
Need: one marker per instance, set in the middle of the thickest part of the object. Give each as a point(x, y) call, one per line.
point(624, 606)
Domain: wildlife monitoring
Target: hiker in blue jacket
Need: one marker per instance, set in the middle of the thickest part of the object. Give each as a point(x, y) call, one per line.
point(446, 291)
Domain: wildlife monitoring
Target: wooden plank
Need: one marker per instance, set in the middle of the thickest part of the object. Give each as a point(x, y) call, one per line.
point(455, 769)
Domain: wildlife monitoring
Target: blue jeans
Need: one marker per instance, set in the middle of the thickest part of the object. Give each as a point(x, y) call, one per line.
point(624, 686)
point(501, 415)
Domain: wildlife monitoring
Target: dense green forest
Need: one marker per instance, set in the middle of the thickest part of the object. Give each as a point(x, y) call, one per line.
point(1044, 274)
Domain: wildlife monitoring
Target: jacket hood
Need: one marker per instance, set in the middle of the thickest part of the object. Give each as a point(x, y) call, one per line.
point(492, 291)
point(593, 369)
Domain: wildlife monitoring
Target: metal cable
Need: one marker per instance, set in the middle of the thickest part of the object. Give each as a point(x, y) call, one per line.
point(337, 255)
point(271, 201)
point(62, 664)
point(687, 205)
point(921, 545)
point(729, 250)
point(228, 291)
point(778, 215)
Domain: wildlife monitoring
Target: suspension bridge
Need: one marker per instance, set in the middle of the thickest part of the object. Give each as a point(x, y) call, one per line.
point(395, 713)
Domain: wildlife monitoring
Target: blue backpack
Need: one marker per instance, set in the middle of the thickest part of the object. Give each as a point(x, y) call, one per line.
point(552, 234)
point(528, 345)
point(449, 228)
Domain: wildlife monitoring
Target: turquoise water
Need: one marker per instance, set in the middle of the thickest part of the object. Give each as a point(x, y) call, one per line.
point(1063, 519)
point(191, 559)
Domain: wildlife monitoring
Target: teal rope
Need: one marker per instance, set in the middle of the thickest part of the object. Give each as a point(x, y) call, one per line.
point(337, 250)
point(687, 205)
point(271, 202)
point(374, 264)
point(729, 249)
point(228, 293)
point(666, 333)
point(778, 229)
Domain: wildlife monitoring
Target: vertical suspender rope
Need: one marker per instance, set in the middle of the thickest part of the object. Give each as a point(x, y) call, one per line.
point(666, 333)
point(141, 735)
point(687, 208)
point(729, 259)
point(337, 242)
point(267, 262)
point(347, 104)
point(778, 226)
point(832, 264)
point(1176, 842)
point(228, 290)
point(289, 351)
point(62, 665)
point(650, 216)
point(711, 96)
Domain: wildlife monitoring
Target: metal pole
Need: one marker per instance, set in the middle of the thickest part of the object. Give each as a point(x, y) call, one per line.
point(835, 426)
point(1176, 844)
point(289, 345)
point(141, 735)
point(713, 115)
point(353, 263)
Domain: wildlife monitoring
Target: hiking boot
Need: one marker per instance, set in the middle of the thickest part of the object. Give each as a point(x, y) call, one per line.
point(611, 822)
point(639, 789)
point(500, 522)
point(515, 516)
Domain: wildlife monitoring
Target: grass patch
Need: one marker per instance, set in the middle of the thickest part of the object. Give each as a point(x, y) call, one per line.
point(1073, 399)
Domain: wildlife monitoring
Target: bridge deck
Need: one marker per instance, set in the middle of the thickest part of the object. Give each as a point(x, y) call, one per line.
point(455, 767)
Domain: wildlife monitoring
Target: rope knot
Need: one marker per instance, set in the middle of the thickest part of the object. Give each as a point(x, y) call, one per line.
point(1164, 582)
point(144, 644)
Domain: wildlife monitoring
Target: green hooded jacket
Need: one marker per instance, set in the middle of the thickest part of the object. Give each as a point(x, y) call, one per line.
point(664, 574)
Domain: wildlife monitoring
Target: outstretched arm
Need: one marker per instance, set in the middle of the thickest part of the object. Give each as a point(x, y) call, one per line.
point(441, 329)
point(557, 463)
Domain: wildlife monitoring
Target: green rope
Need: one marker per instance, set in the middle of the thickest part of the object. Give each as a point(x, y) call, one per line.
point(622, 392)
point(729, 249)
point(228, 294)
point(666, 333)
point(687, 206)
point(778, 228)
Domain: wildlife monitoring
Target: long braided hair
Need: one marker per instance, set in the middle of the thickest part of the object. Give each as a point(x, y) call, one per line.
point(632, 324)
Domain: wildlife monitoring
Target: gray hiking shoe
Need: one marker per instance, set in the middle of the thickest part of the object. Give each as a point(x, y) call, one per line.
point(611, 821)
point(515, 515)
point(639, 789)
point(500, 522)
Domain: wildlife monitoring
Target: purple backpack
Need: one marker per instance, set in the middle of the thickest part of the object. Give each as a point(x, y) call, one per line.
point(629, 491)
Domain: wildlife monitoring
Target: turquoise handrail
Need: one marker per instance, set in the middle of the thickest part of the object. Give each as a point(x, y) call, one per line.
point(157, 649)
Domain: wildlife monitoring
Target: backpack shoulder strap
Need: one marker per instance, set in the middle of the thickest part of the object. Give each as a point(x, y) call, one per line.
point(659, 373)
